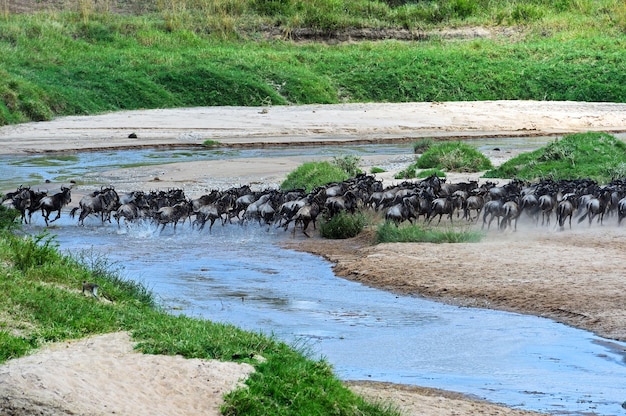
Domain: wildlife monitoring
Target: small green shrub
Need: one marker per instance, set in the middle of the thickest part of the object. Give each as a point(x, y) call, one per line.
point(376, 169)
point(343, 225)
point(31, 252)
point(422, 145)
point(407, 173)
point(349, 164)
point(211, 143)
point(310, 175)
point(454, 156)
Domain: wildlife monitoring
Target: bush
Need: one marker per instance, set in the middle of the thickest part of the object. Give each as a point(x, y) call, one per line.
point(598, 156)
point(310, 175)
point(422, 145)
point(349, 164)
point(454, 156)
point(343, 225)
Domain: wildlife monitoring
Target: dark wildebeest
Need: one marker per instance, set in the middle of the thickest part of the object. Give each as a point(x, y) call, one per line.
point(441, 206)
point(56, 202)
point(546, 204)
point(101, 202)
point(306, 214)
point(25, 200)
point(565, 209)
point(510, 213)
point(401, 212)
point(493, 209)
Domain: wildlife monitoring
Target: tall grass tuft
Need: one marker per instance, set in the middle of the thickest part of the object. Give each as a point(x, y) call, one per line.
point(343, 225)
point(313, 174)
point(388, 232)
point(454, 156)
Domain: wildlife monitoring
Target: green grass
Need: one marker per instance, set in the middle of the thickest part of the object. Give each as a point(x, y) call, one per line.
point(310, 175)
point(388, 232)
point(41, 302)
point(454, 157)
point(597, 156)
point(343, 225)
point(59, 64)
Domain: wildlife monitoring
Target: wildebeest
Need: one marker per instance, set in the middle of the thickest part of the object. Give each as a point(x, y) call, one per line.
point(103, 202)
point(404, 211)
point(565, 209)
point(493, 210)
point(25, 200)
point(510, 213)
point(56, 202)
point(306, 214)
point(441, 206)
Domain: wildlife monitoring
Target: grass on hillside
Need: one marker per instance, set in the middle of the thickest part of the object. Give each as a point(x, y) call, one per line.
point(41, 302)
point(597, 156)
point(61, 64)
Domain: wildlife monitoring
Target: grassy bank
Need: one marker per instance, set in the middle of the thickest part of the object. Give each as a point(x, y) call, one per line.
point(42, 302)
point(86, 62)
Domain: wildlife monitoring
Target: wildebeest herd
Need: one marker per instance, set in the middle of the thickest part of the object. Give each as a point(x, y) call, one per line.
point(430, 198)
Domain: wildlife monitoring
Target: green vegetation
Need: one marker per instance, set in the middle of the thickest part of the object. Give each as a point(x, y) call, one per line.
point(41, 302)
point(430, 172)
point(211, 143)
point(377, 169)
point(455, 157)
point(310, 175)
point(388, 232)
point(598, 156)
point(348, 163)
point(422, 145)
point(343, 225)
point(407, 173)
point(84, 60)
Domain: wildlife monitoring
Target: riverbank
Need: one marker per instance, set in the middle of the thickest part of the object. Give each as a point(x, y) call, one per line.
point(573, 277)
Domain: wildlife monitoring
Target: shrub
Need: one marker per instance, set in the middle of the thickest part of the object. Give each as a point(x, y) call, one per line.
point(454, 156)
point(343, 225)
point(349, 164)
point(598, 156)
point(310, 175)
point(422, 145)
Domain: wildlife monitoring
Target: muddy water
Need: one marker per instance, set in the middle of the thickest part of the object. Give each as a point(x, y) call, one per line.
point(241, 276)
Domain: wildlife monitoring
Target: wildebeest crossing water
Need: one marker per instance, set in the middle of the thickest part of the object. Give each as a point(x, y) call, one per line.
point(239, 274)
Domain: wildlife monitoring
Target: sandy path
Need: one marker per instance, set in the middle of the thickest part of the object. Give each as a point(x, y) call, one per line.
point(575, 277)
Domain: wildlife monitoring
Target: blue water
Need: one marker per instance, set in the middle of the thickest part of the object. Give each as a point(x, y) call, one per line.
point(240, 275)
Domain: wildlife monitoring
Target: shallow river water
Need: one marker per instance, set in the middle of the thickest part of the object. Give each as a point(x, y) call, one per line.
point(240, 275)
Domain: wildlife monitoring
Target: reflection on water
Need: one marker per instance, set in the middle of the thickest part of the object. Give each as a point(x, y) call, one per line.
point(239, 275)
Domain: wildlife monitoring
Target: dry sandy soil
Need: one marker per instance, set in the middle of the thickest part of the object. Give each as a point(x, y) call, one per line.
point(574, 276)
